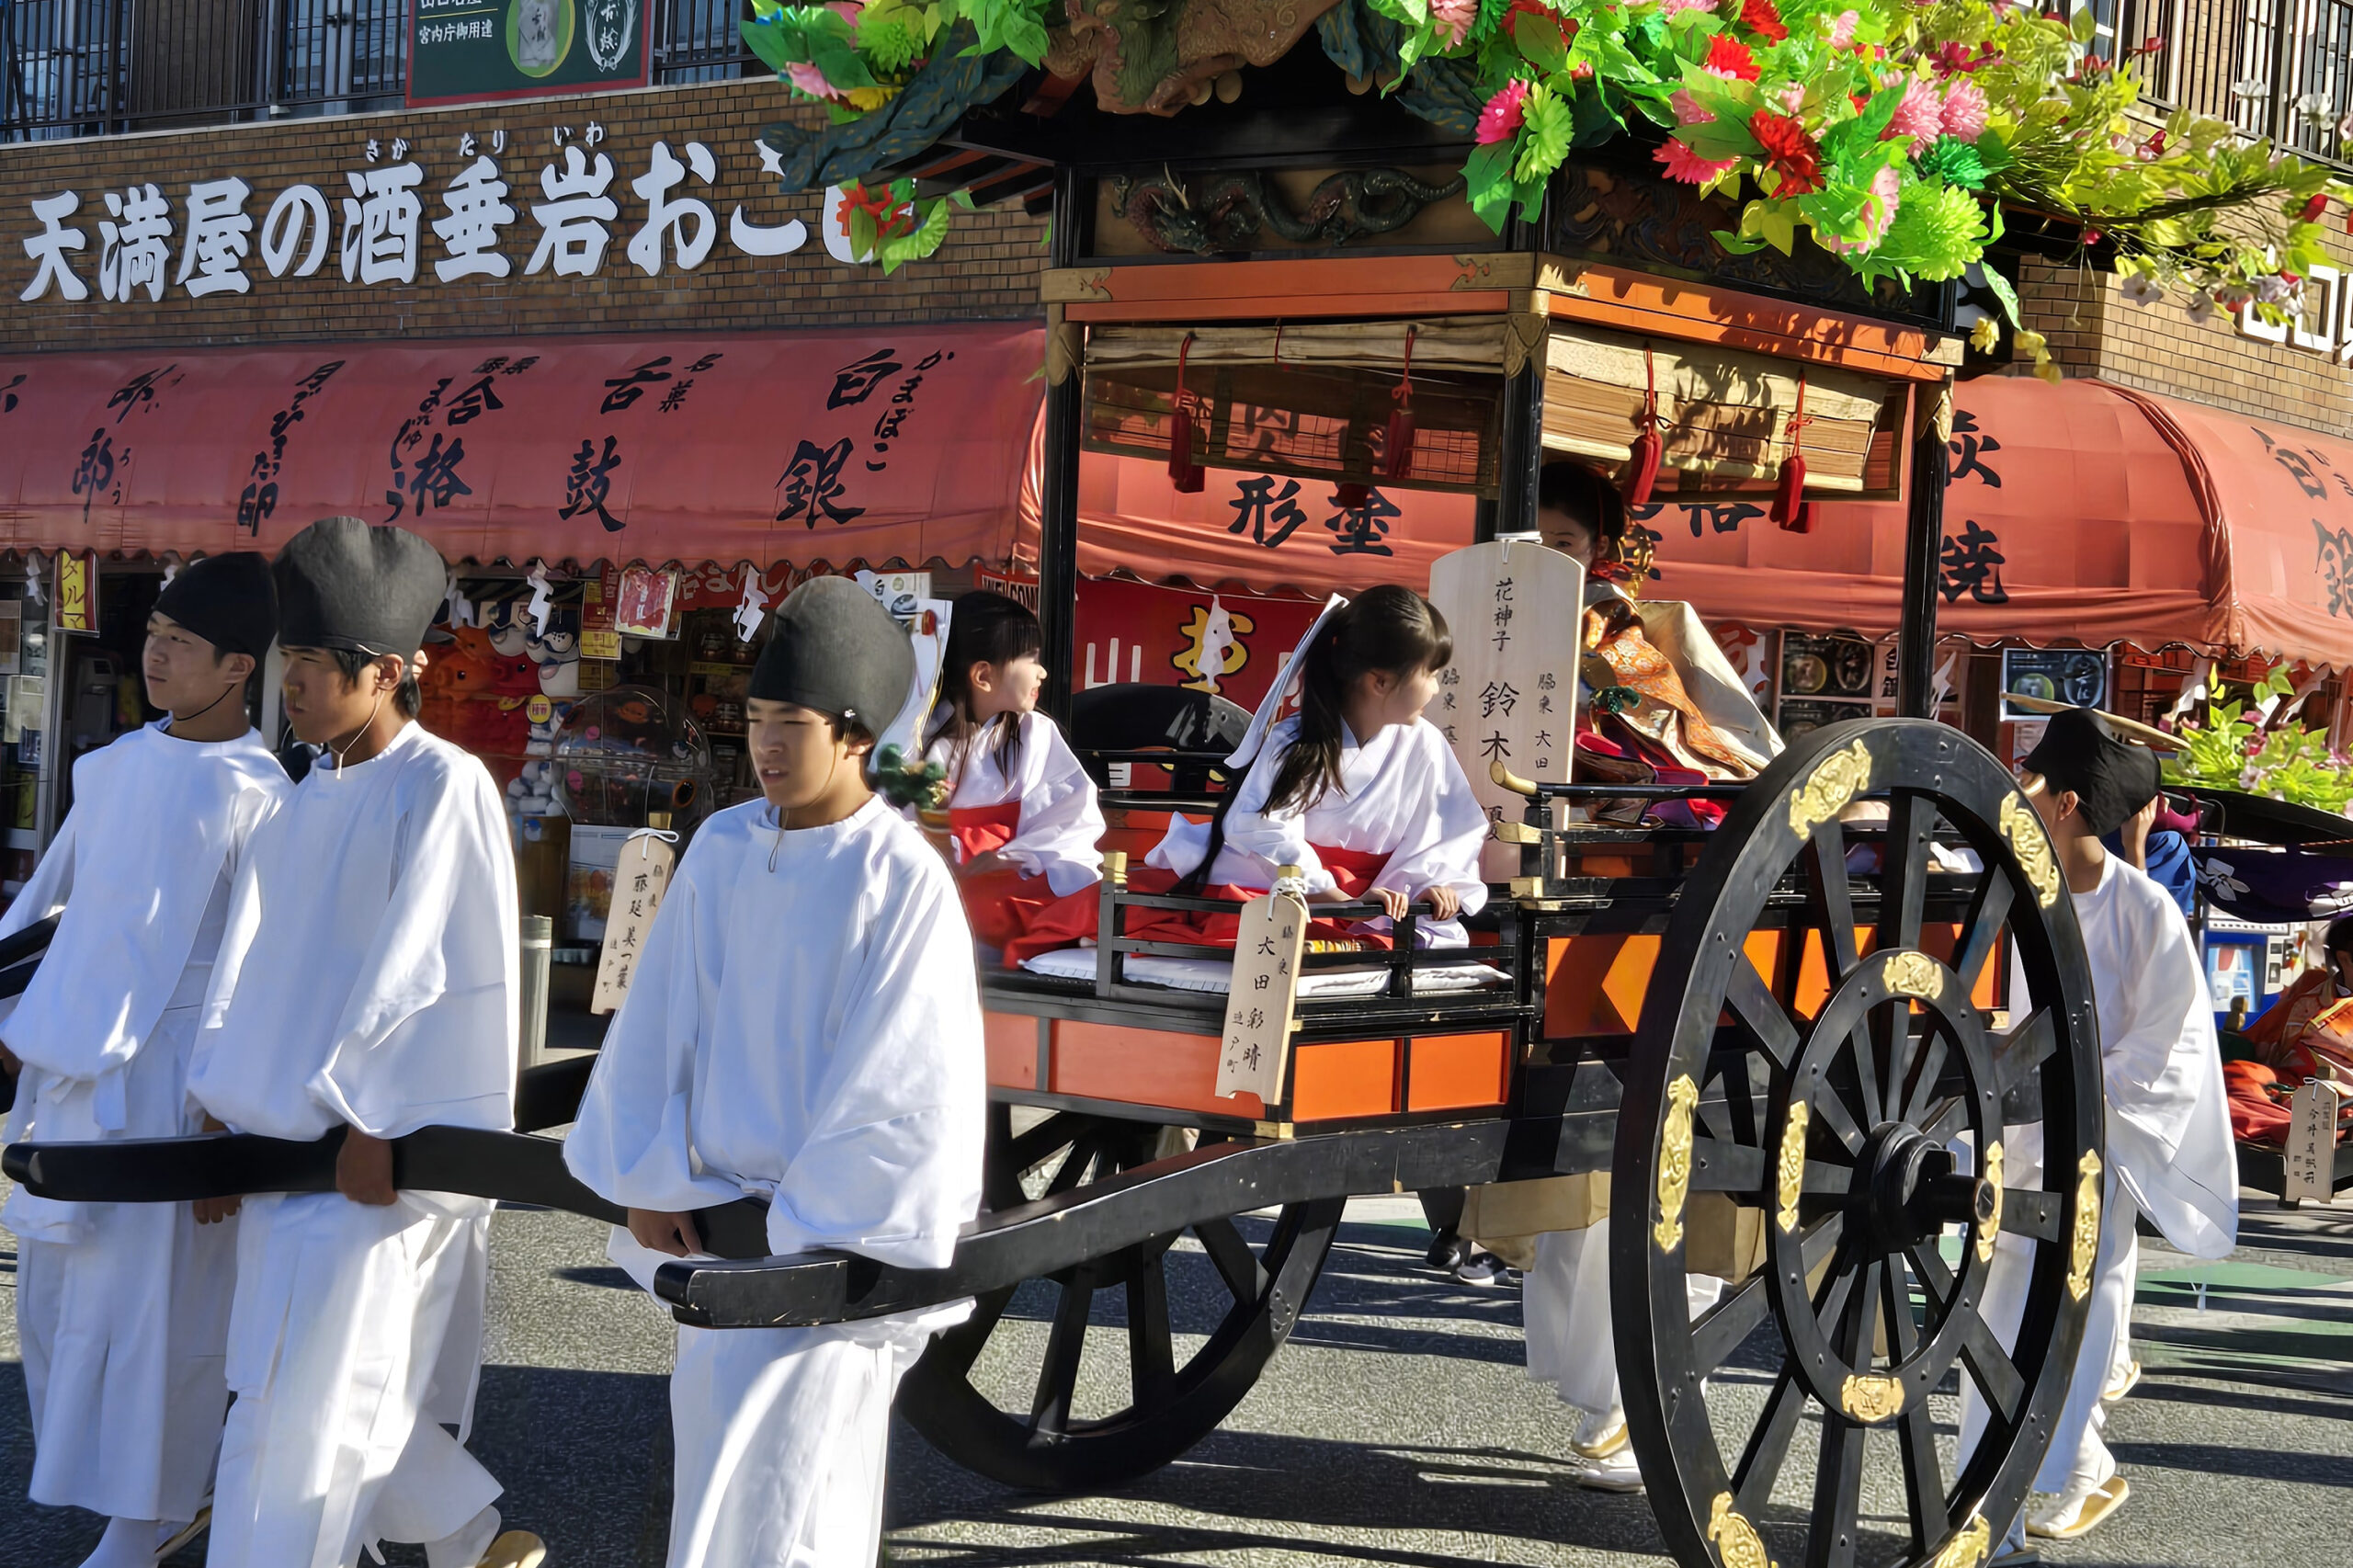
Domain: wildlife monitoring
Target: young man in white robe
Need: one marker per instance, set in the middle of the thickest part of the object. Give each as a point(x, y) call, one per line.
point(367, 982)
point(122, 1308)
point(2169, 1150)
point(803, 1027)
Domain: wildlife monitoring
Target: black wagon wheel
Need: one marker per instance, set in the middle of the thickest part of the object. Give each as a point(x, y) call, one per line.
point(1832, 1129)
point(1197, 1333)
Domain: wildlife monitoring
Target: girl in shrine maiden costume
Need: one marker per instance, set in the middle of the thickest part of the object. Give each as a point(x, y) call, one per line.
point(1023, 817)
point(1358, 789)
point(2169, 1150)
point(122, 1308)
point(1657, 703)
point(805, 1028)
point(367, 982)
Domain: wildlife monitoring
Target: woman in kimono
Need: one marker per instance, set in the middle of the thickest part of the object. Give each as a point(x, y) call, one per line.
point(1023, 819)
point(1359, 790)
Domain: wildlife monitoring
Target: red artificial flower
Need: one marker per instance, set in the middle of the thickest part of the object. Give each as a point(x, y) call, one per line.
point(1789, 152)
point(1763, 21)
point(1729, 57)
point(2314, 207)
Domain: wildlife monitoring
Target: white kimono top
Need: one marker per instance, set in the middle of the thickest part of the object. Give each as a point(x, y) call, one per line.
point(1062, 821)
point(804, 1026)
point(369, 975)
point(1403, 795)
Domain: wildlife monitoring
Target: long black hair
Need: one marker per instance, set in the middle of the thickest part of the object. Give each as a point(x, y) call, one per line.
point(982, 628)
point(1586, 494)
point(1388, 629)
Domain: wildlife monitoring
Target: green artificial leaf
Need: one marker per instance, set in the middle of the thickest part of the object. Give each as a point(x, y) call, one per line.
point(962, 197)
point(1546, 127)
point(1538, 39)
point(1487, 183)
point(2085, 25)
point(1770, 222)
point(1955, 162)
point(2004, 295)
point(1734, 244)
point(767, 40)
point(929, 235)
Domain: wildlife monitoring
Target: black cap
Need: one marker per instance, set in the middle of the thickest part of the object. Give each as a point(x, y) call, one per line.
point(227, 600)
point(2110, 776)
point(837, 652)
point(344, 584)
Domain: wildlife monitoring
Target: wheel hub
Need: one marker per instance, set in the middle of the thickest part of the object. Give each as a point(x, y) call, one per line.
point(1910, 1190)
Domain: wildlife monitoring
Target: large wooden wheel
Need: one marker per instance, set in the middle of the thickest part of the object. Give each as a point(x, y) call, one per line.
point(998, 1399)
point(1832, 1129)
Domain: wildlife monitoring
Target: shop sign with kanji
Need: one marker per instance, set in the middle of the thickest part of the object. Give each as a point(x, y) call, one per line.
point(1253, 1048)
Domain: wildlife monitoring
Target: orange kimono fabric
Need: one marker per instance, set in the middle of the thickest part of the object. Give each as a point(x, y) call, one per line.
point(1008, 910)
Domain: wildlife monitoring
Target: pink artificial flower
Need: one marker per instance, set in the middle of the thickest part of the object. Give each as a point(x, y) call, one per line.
point(1793, 97)
point(1455, 17)
point(1919, 118)
point(1964, 116)
point(1673, 9)
point(1501, 117)
point(847, 10)
point(1685, 164)
point(1687, 108)
point(1879, 211)
point(1842, 29)
point(811, 80)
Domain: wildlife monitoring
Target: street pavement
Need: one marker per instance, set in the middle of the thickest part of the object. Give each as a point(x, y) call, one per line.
point(1396, 1430)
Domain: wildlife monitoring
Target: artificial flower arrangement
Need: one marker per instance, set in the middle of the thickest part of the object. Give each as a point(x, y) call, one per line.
point(1893, 131)
point(2230, 751)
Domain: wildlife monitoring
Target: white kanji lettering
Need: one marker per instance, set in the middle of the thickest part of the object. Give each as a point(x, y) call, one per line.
point(478, 209)
point(571, 220)
point(212, 259)
point(665, 216)
point(380, 225)
point(135, 253)
point(754, 239)
point(299, 210)
point(47, 249)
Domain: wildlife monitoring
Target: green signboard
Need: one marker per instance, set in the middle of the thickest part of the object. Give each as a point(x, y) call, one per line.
point(483, 51)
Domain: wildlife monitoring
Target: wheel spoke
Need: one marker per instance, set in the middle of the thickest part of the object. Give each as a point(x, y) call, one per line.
point(1837, 1494)
point(1768, 1445)
point(1831, 1111)
point(1729, 1323)
point(1151, 1356)
point(1753, 1003)
point(1028, 1152)
point(1989, 911)
point(1075, 1165)
point(1050, 1415)
point(1904, 869)
point(1949, 1114)
point(1235, 1262)
point(1931, 1067)
point(1924, 1484)
point(2031, 1212)
point(1721, 1167)
point(956, 1349)
point(1895, 1301)
point(1834, 902)
point(2023, 1050)
point(1997, 1374)
point(1822, 1241)
point(1929, 1266)
point(1828, 1178)
point(1862, 1052)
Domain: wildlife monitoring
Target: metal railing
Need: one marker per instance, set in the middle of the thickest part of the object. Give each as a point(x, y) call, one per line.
point(98, 67)
point(2235, 59)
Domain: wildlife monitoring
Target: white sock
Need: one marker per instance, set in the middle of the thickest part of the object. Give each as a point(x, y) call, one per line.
point(128, 1543)
point(464, 1548)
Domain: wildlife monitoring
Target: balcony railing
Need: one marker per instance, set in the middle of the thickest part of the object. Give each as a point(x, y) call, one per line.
point(2235, 59)
point(95, 67)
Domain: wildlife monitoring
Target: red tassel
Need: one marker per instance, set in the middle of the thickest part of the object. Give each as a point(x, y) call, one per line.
point(1790, 509)
point(1397, 446)
point(1648, 447)
point(1185, 476)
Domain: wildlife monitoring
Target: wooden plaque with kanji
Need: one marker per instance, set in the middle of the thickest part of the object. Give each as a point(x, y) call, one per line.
point(2309, 1164)
point(1254, 1051)
point(639, 881)
point(1516, 610)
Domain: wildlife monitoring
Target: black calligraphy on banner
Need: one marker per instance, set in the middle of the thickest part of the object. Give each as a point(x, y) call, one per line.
point(1972, 563)
point(259, 498)
point(1257, 503)
point(1361, 530)
point(589, 486)
point(856, 382)
point(8, 395)
point(814, 483)
point(811, 484)
point(427, 463)
point(623, 391)
point(1703, 517)
point(2299, 462)
point(97, 469)
point(2335, 564)
point(139, 391)
point(676, 398)
point(1969, 445)
point(889, 424)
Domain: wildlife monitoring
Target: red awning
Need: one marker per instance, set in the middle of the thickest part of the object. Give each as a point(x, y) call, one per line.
point(870, 446)
point(2080, 512)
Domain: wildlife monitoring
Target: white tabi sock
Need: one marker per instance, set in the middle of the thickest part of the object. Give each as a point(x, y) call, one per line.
point(464, 1548)
point(128, 1543)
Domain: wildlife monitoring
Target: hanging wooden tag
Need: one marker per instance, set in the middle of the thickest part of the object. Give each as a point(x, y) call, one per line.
point(640, 879)
point(2309, 1166)
point(1255, 1050)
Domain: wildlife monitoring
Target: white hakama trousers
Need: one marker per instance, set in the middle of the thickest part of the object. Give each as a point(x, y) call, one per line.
point(781, 1435)
point(124, 1331)
point(356, 1332)
point(1564, 1302)
point(2078, 1446)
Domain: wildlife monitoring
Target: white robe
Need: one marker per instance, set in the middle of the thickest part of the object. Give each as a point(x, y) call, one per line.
point(804, 1027)
point(368, 977)
point(1062, 820)
point(1403, 795)
point(122, 1308)
point(1565, 1302)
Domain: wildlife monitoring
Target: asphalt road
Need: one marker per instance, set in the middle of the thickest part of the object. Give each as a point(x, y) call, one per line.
point(1397, 1429)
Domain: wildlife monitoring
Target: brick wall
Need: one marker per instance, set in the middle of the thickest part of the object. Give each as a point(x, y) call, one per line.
point(987, 269)
point(2160, 347)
